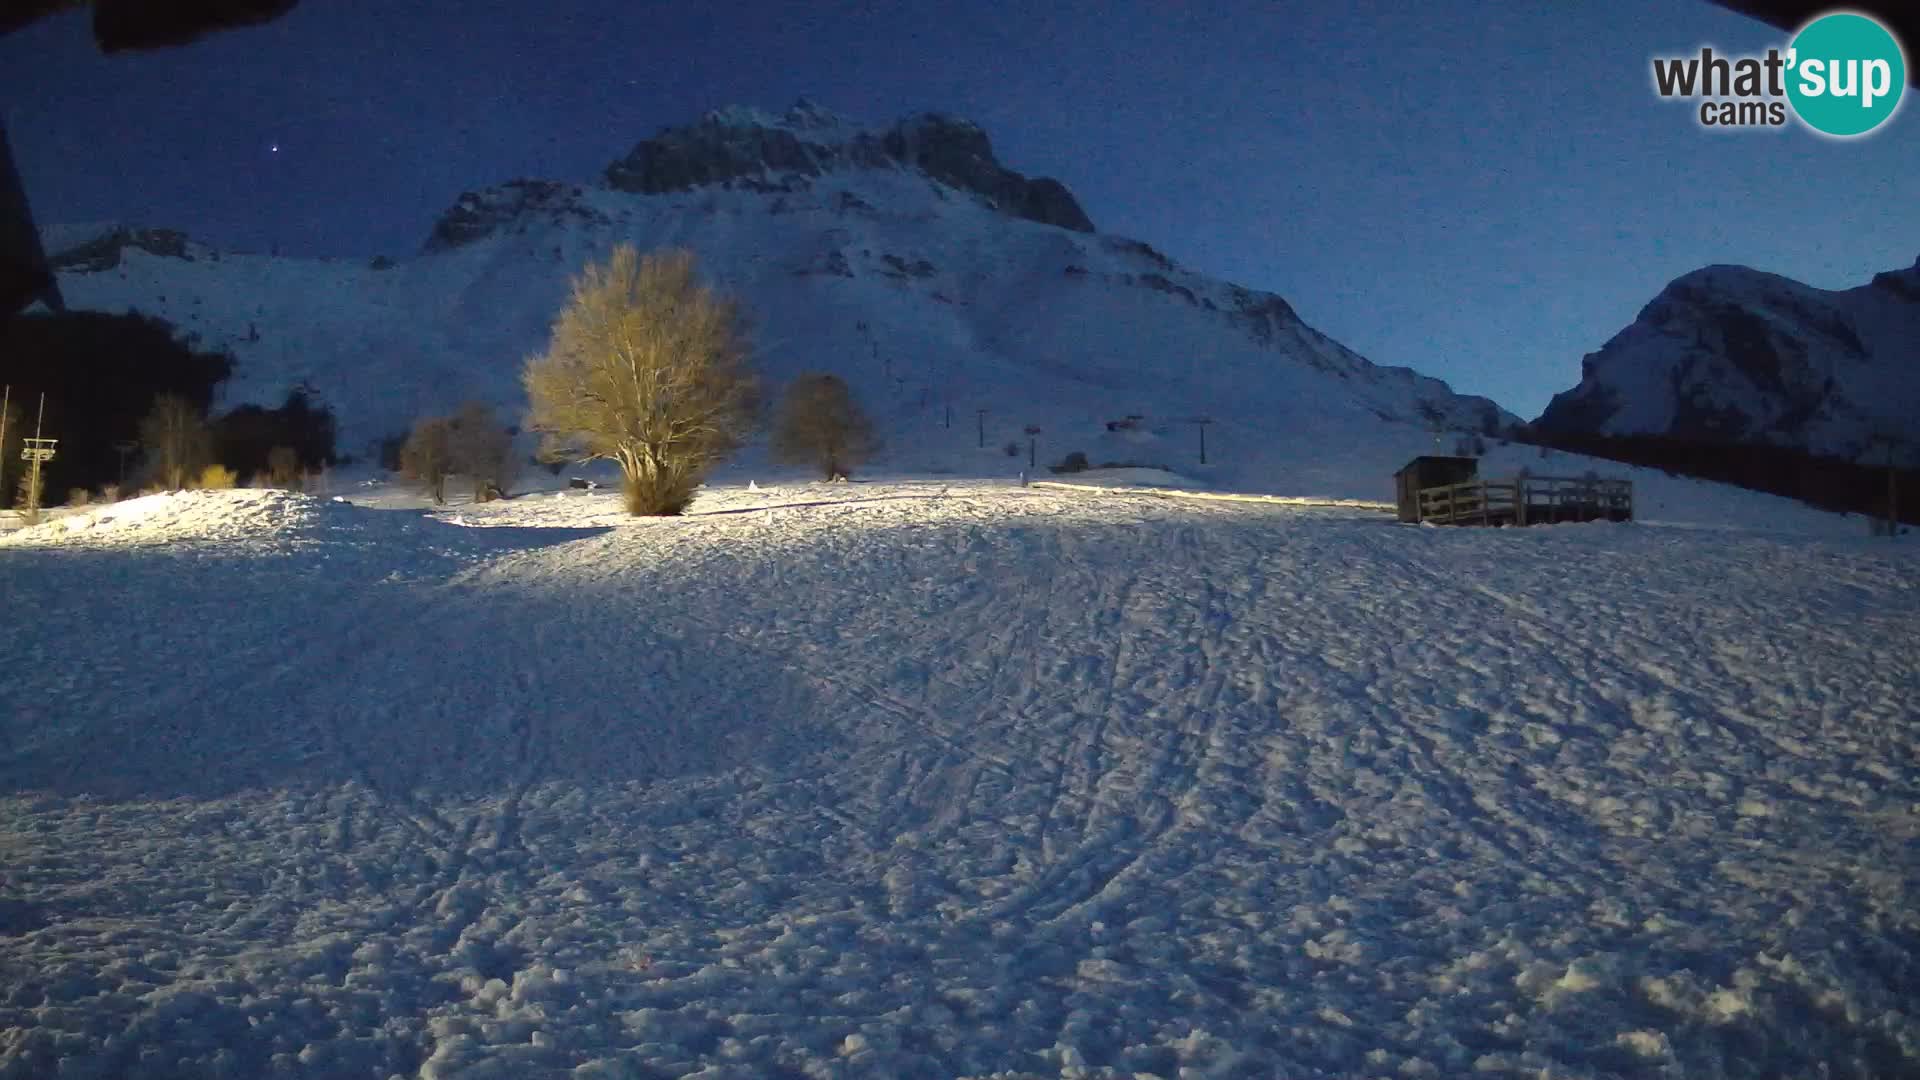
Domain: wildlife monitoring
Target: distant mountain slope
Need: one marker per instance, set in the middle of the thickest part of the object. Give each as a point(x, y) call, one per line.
point(1732, 355)
point(906, 258)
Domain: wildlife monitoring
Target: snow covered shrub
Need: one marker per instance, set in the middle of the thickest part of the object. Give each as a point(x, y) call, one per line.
point(110, 494)
point(216, 478)
point(646, 367)
point(821, 425)
point(79, 497)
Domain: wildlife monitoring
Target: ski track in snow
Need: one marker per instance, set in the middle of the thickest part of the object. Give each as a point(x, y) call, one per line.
point(950, 780)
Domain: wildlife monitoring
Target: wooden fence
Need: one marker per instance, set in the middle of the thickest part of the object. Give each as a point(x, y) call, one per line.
point(1528, 500)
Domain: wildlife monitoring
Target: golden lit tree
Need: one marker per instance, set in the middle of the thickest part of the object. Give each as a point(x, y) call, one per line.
point(646, 368)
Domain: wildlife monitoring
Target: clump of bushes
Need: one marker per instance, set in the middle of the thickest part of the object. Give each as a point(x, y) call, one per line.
point(283, 468)
point(281, 444)
point(471, 443)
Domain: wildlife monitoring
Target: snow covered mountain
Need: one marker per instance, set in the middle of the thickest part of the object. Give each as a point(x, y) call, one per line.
point(1730, 354)
point(905, 258)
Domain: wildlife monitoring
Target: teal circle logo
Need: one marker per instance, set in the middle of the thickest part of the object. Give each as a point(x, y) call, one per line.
point(1845, 74)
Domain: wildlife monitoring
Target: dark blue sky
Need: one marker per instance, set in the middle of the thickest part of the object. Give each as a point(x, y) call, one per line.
point(1481, 194)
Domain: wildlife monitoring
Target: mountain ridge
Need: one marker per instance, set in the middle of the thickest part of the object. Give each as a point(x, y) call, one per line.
point(1730, 354)
point(745, 145)
point(932, 301)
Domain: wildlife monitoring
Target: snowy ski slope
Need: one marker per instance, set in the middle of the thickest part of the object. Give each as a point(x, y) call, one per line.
point(951, 779)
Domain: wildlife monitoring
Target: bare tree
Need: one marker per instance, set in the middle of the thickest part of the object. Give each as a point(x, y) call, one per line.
point(647, 368)
point(820, 424)
point(481, 450)
point(26, 495)
point(11, 432)
point(427, 455)
point(177, 440)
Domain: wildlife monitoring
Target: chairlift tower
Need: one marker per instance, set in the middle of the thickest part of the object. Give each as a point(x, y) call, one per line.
point(1201, 422)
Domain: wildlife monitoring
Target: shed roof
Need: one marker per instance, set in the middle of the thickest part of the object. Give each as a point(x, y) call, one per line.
point(1429, 459)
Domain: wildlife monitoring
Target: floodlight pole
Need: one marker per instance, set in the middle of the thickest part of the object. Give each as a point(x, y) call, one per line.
point(1033, 432)
point(980, 418)
point(1893, 481)
point(33, 485)
point(1893, 495)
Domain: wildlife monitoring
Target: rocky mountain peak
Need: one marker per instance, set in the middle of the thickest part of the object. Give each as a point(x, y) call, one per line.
point(480, 213)
point(743, 146)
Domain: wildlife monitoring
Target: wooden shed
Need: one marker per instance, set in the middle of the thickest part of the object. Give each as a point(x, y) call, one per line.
point(1448, 491)
point(1428, 472)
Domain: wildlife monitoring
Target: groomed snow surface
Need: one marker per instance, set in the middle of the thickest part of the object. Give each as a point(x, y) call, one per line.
point(922, 779)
